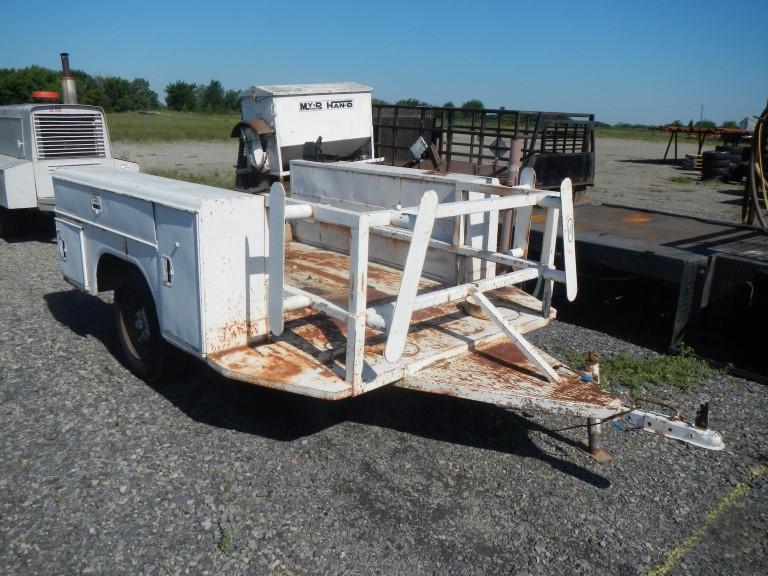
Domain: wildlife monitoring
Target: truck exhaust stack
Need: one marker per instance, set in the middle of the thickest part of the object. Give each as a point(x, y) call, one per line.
point(68, 88)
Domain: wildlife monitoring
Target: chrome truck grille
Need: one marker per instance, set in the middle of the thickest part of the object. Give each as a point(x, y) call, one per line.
point(69, 135)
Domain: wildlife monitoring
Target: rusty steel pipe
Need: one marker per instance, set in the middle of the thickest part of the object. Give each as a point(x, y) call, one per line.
point(515, 159)
point(65, 64)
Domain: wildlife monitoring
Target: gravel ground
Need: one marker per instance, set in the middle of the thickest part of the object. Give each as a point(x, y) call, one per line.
point(101, 473)
point(630, 172)
point(195, 157)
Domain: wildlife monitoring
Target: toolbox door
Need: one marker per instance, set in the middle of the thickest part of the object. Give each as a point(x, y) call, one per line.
point(178, 275)
point(71, 248)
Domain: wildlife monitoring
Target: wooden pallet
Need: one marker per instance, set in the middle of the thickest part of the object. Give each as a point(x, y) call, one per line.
point(692, 162)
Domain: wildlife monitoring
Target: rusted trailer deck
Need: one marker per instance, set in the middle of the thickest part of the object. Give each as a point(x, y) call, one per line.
point(447, 352)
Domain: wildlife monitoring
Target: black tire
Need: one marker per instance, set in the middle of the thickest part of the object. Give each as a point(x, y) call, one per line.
point(714, 164)
point(714, 173)
point(146, 352)
point(8, 224)
point(731, 149)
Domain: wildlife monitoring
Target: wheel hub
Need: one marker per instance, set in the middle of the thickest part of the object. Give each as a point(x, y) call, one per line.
point(141, 325)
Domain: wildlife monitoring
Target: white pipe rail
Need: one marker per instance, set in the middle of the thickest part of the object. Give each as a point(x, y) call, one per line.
point(414, 225)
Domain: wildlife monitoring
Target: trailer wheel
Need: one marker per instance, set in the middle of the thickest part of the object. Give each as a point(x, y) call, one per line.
point(7, 223)
point(147, 354)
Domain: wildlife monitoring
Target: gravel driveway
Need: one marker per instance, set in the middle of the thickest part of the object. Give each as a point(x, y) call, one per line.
point(101, 473)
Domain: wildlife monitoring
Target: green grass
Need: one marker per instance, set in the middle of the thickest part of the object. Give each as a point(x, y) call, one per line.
point(217, 178)
point(225, 541)
point(639, 373)
point(680, 180)
point(632, 134)
point(168, 126)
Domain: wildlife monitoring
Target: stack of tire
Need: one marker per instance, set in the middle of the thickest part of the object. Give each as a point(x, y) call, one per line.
point(729, 163)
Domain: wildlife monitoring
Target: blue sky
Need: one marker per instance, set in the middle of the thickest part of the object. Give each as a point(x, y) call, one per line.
point(645, 62)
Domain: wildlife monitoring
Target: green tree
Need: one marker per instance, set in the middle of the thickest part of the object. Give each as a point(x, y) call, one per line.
point(379, 102)
point(118, 94)
point(211, 97)
point(730, 124)
point(449, 104)
point(705, 124)
point(411, 102)
point(144, 98)
point(232, 100)
point(16, 86)
point(473, 105)
point(181, 96)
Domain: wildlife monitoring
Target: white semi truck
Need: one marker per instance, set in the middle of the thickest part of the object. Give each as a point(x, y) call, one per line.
point(35, 141)
point(38, 139)
point(365, 276)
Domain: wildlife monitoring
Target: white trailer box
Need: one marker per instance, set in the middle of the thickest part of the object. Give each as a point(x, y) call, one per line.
point(200, 249)
point(338, 114)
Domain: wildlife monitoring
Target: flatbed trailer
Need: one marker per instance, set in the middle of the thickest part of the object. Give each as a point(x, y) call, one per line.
point(713, 268)
point(366, 276)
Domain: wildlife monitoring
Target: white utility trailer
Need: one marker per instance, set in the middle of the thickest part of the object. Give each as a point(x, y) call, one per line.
point(366, 276)
point(38, 139)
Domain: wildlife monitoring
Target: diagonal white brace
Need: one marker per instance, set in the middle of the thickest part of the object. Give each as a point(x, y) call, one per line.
point(409, 285)
point(513, 334)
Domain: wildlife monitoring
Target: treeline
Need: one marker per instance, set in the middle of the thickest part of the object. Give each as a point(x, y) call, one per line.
point(184, 96)
point(116, 94)
point(690, 124)
point(112, 93)
point(473, 104)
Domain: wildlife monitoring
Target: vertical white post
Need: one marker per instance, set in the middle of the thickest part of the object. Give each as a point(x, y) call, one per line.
point(276, 260)
point(358, 288)
point(523, 215)
point(548, 256)
point(458, 236)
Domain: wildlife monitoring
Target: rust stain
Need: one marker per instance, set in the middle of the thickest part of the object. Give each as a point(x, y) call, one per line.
point(507, 352)
point(229, 336)
point(503, 368)
point(426, 314)
point(280, 364)
point(283, 367)
point(324, 263)
point(637, 218)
